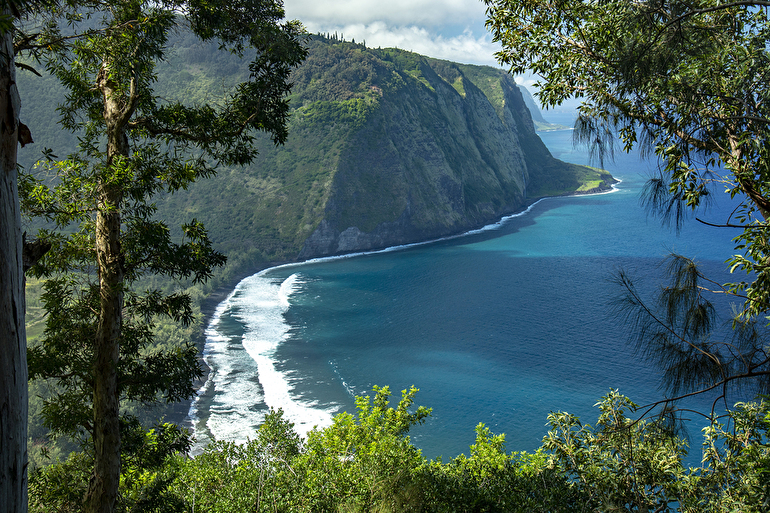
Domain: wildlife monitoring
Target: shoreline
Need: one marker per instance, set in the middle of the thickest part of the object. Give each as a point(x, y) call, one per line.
point(179, 412)
point(211, 301)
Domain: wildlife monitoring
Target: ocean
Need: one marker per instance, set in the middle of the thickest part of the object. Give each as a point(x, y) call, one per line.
point(499, 326)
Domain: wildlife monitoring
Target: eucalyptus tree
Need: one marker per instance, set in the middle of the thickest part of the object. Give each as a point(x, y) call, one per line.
point(13, 358)
point(690, 82)
point(134, 145)
point(13, 361)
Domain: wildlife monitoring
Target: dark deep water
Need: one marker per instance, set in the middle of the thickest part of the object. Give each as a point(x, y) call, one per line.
point(501, 326)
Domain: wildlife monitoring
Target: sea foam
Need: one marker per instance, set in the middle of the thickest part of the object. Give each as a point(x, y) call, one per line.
point(243, 381)
point(261, 309)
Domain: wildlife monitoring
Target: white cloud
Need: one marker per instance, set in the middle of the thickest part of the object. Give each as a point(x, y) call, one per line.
point(467, 47)
point(444, 29)
point(432, 13)
point(525, 80)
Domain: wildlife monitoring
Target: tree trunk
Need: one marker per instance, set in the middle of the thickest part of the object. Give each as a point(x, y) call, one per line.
point(103, 488)
point(13, 350)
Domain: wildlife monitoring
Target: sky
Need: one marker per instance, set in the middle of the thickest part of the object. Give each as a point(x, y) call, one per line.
point(444, 29)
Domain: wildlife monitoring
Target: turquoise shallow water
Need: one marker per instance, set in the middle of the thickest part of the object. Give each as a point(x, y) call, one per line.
point(501, 326)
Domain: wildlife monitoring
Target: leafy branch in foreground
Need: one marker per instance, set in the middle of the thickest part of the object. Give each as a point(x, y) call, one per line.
point(690, 82)
point(682, 334)
point(133, 147)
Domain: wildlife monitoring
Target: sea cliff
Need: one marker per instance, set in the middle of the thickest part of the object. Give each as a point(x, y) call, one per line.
point(385, 147)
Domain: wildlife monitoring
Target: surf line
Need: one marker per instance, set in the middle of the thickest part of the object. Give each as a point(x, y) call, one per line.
point(492, 226)
point(276, 387)
point(258, 303)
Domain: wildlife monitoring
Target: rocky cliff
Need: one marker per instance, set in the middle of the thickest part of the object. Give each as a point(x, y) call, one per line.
point(439, 149)
point(386, 147)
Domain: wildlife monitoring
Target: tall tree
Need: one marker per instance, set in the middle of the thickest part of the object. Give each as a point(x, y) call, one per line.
point(689, 80)
point(134, 145)
point(13, 356)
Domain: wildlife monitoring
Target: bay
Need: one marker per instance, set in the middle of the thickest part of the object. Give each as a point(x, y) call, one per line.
point(500, 326)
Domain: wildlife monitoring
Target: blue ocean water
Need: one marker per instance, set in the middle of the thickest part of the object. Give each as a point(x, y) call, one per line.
point(501, 326)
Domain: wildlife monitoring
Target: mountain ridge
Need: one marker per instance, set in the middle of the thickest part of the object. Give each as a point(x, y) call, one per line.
point(386, 147)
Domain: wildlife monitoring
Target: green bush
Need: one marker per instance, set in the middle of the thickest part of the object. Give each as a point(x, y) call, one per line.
point(366, 462)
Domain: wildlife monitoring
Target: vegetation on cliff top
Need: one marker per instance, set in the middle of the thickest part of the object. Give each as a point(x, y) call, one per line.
point(264, 212)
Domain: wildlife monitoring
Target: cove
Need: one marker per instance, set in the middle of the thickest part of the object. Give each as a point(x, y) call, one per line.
point(500, 326)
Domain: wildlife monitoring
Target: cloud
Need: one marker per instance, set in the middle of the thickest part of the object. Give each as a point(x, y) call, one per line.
point(527, 81)
point(466, 47)
point(433, 13)
point(444, 29)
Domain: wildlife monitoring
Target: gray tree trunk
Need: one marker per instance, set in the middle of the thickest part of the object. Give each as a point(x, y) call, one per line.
point(13, 343)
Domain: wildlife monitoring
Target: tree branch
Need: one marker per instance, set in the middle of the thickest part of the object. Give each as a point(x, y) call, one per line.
point(696, 12)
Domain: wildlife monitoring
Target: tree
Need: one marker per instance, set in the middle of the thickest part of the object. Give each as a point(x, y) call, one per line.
point(13, 362)
point(362, 462)
point(13, 356)
point(689, 82)
point(134, 145)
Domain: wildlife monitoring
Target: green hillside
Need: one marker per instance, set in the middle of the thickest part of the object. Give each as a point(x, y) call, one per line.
point(386, 147)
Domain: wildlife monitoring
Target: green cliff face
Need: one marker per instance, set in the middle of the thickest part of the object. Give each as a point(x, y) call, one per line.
point(386, 147)
point(419, 149)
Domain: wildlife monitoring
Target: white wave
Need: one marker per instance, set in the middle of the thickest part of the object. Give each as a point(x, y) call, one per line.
point(243, 387)
point(492, 226)
point(260, 304)
point(232, 388)
point(213, 346)
point(348, 388)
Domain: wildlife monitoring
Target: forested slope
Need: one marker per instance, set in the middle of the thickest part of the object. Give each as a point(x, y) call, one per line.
point(385, 147)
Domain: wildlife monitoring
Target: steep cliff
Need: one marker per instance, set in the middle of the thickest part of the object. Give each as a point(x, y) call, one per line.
point(436, 148)
point(386, 147)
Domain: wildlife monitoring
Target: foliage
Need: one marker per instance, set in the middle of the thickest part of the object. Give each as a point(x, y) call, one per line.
point(60, 487)
point(367, 463)
point(621, 464)
point(682, 332)
point(149, 466)
point(737, 454)
point(688, 79)
point(357, 464)
point(132, 146)
point(326, 114)
point(491, 480)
